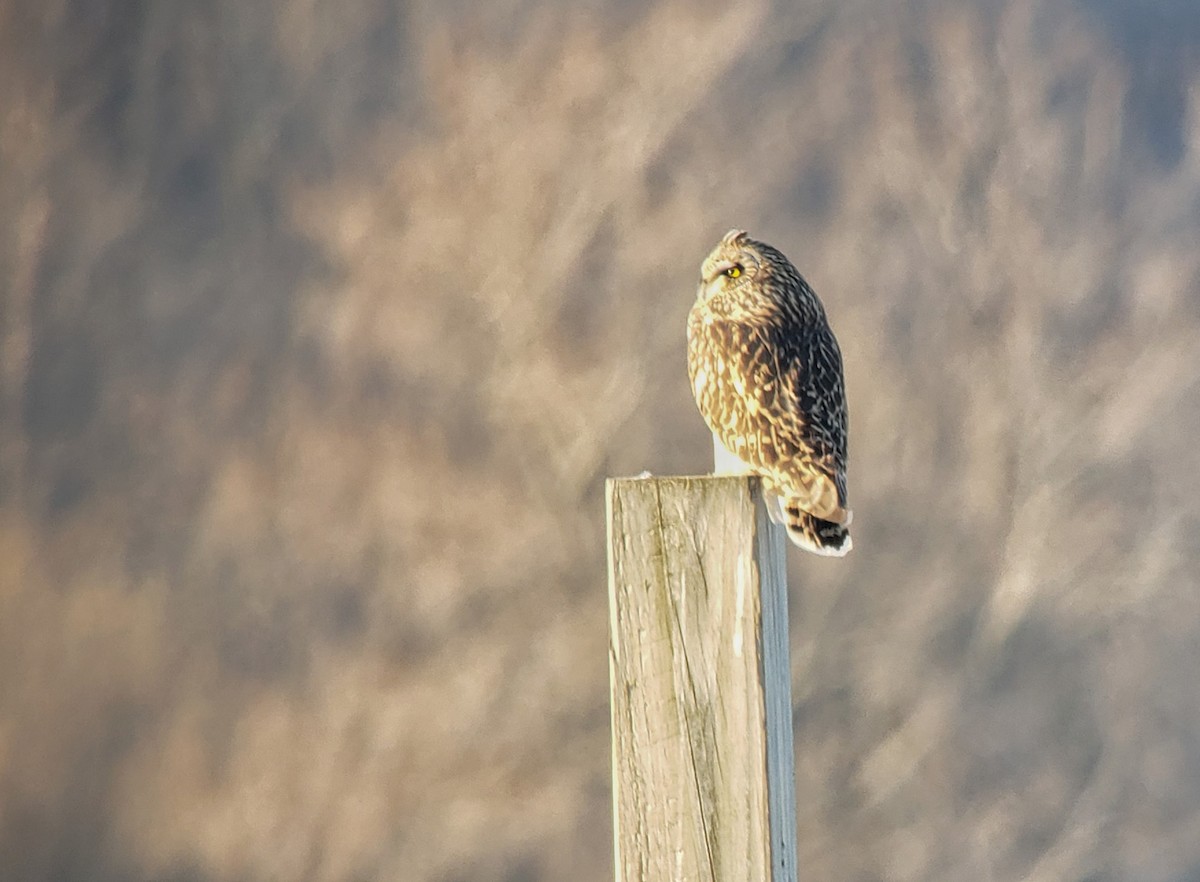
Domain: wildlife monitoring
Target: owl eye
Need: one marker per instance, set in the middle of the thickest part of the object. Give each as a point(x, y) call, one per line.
point(734, 271)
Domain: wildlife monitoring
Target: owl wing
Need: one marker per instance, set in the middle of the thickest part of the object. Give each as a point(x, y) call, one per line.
point(811, 419)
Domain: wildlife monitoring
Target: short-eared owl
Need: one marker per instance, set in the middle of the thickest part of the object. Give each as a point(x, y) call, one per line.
point(767, 374)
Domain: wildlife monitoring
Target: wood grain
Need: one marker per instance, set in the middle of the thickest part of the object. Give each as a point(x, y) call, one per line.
point(703, 771)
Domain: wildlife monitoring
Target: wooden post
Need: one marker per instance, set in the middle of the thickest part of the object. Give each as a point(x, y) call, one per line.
point(703, 770)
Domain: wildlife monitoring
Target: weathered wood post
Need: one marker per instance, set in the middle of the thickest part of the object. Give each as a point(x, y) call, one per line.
point(703, 770)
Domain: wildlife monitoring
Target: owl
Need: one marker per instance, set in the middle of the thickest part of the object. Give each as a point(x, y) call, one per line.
point(767, 375)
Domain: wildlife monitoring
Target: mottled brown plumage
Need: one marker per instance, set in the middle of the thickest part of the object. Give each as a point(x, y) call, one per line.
point(767, 375)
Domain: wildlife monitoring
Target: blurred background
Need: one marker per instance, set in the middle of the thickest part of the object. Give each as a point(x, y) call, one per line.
point(321, 325)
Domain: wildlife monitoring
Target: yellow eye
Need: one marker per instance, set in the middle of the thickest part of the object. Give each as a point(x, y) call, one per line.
point(734, 271)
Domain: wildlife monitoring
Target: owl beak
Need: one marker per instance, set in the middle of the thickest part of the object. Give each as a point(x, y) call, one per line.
point(709, 283)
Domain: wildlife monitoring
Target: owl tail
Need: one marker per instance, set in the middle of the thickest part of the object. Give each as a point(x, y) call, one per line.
point(811, 532)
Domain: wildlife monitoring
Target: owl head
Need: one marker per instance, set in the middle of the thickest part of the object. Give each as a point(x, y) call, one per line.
point(743, 276)
point(733, 264)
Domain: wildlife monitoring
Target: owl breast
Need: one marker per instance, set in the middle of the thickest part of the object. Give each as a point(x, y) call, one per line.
point(735, 382)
